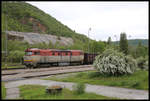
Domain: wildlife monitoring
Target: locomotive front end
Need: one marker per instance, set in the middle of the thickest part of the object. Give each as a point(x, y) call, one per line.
point(28, 60)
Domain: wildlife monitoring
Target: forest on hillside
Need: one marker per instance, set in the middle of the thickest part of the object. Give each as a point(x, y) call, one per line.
point(134, 42)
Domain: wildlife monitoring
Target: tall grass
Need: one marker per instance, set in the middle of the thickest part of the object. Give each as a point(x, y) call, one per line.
point(3, 90)
point(79, 88)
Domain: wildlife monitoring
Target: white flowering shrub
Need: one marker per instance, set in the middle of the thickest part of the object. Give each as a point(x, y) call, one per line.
point(147, 65)
point(112, 62)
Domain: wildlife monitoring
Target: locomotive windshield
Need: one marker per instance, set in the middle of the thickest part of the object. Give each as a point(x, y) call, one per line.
point(28, 53)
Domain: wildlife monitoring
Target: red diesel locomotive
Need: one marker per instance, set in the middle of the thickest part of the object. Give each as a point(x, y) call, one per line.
point(36, 57)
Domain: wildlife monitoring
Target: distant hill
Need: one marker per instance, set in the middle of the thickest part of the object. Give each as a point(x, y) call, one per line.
point(134, 42)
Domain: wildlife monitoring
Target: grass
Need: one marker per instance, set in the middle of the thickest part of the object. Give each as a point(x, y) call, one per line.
point(3, 90)
point(138, 80)
point(11, 65)
point(38, 92)
point(79, 88)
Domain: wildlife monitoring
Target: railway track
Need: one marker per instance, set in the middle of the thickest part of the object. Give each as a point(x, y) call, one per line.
point(18, 74)
point(16, 71)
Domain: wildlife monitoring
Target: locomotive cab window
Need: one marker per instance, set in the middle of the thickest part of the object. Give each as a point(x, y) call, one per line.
point(53, 53)
point(66, 53)
point(36, 53)
point(28, 53)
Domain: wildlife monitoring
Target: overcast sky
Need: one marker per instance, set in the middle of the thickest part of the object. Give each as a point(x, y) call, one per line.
point(104, 18)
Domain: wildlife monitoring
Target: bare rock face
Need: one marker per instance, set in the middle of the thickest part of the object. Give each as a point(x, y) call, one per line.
point(35, 38)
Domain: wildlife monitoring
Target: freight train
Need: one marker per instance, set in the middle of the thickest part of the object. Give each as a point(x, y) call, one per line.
point(49, 57)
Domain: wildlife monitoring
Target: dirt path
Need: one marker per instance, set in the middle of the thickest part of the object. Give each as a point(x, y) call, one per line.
point(122, 93)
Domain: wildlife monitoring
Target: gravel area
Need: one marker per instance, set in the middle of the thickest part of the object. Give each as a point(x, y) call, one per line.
point(12, 93)
point(122, 93)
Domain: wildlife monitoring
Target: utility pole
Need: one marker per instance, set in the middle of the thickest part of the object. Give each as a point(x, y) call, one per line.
point(89, 39)
point(6, 41)
point(116, 37)
point(129, 36)
point(117, 42)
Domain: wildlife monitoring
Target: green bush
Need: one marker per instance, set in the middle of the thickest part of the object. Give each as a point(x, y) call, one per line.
point(79, 88)
point(142, 63)
point(112, 62)
point(15, 56)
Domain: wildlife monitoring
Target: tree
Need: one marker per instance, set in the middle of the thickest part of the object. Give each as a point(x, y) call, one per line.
point(97, 46)
point(109, 41)
point(141, 50)
point(123, 43)
point(132, 51)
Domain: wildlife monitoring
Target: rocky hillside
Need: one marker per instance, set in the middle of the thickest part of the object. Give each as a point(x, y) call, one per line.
point(35, 38)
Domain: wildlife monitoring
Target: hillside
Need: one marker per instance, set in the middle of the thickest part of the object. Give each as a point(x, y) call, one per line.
point(35, 26)
point(24, 17)
point(134, 42)
point(35, 38)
